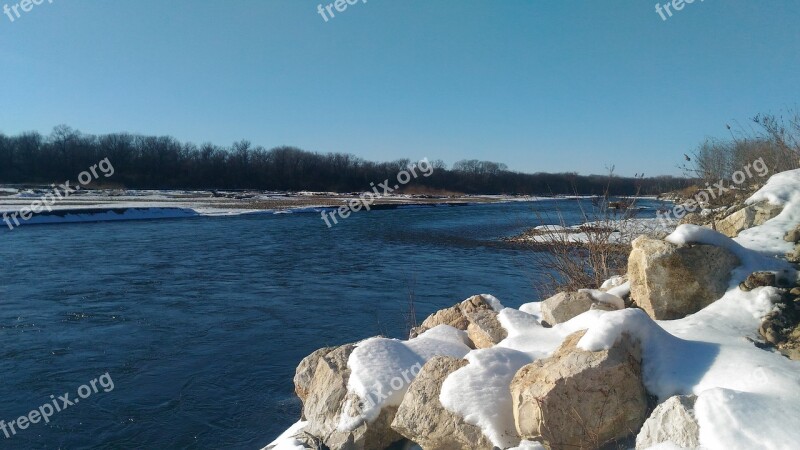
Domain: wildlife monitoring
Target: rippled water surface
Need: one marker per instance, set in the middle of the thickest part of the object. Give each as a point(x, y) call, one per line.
point(200, 323)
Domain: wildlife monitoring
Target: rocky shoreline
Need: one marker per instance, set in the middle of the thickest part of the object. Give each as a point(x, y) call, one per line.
point(695, 346)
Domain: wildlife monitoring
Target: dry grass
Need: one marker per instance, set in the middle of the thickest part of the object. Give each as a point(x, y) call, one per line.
point(602, 254)
point(570, 266)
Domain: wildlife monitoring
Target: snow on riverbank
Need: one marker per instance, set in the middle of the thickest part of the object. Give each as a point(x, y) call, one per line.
point(618, 231)
point(748, 395)
point(108, 204)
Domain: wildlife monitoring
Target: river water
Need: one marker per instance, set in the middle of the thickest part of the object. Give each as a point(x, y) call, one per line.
point(201, 322)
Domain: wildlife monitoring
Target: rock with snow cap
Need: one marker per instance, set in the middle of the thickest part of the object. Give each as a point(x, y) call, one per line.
point(422, 418)
point(581, 399)
point(670, 281)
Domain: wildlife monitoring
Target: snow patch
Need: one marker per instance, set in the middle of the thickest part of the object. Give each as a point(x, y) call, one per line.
point(382, 369)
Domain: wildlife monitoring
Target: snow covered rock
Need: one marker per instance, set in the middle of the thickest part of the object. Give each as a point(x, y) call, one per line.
point(581, 399)
point(300, 441)
point(305, 371)
point(480, 302)
point(670, 281)
point(671, 422)
point(295, 438)
point(328, 398)
point(565, 305)
point(422, 418)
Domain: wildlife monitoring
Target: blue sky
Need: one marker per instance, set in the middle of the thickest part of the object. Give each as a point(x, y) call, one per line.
point(539, 85)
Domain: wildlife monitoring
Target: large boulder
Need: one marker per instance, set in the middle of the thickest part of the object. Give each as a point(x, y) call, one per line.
point(672, 421)
point(327, 395)
point(422, 418)
point(581, 399)
point(671, 282)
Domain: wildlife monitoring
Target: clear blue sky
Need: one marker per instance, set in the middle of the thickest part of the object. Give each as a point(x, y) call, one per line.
point(555, 85)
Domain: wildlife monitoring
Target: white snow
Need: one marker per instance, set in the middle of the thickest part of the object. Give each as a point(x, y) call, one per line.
point(285, 440)
point(622, 290)
point(479, 391)
point(781, 189)
point(605, 297)
point(740, 387)
point(613, 282)
point(623, 231)
point(528, 445)
point(382, 369)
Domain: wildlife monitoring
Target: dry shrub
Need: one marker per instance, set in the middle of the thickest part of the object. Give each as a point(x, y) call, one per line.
point(571, 265)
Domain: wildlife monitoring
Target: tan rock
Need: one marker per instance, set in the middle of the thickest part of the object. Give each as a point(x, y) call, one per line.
point(793, 235)
point(305, 371)
point(422, 418)
point(455, 316)
point(327, 395)
point(449, 316)
point(759, 279)
point(474, 303)
point(795, 255)
point(747, 217)
point(765, 212)
point(671, 282)
point(737, 222)
point(672, 421)
point(581, 399)
point(484, 329)
point(565, 305)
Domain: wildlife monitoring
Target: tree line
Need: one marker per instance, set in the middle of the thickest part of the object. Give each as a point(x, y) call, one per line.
point(163, 162)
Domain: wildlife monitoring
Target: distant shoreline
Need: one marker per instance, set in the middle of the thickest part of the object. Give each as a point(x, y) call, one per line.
point(14, 198)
